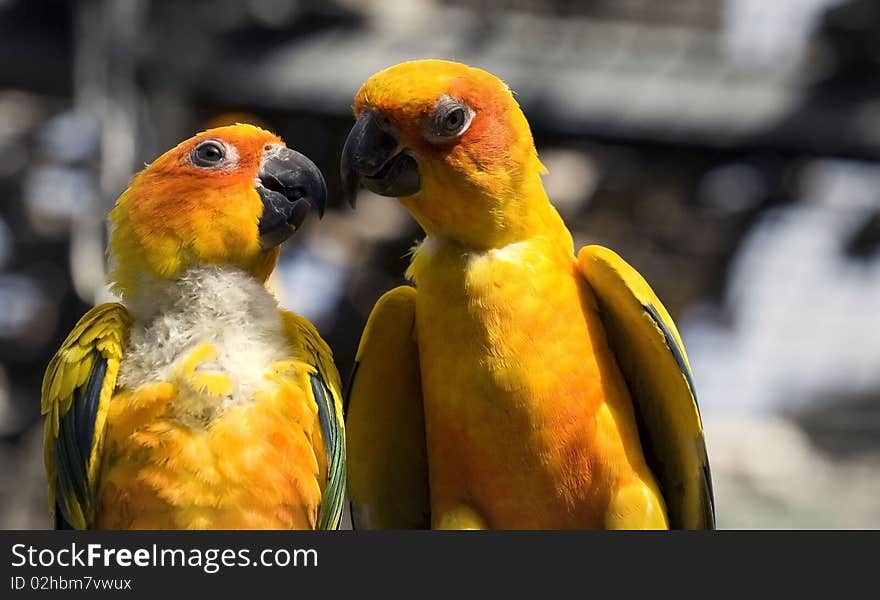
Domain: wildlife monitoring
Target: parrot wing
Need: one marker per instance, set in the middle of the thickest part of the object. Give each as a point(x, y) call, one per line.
point(326, 391)
point(76, 392)
point(388, 469)
point(652, 359)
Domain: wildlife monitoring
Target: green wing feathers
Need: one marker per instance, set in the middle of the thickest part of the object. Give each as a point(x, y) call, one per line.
point(334, 439)
point(654, 364)
point(77, 388)
point(309, 347)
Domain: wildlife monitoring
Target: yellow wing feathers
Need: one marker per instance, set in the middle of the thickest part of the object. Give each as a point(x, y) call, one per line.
point(76, 392)
point(308, 346)
point(651, 356)
point(388, 473)
point(326, 391)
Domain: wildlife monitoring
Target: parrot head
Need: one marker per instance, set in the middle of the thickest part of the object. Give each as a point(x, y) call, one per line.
point(229, 195)
point(451, 142)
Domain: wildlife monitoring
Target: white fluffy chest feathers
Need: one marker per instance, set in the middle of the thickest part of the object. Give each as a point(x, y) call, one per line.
point(214, 332)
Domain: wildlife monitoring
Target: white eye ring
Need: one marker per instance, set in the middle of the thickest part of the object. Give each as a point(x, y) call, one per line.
point(213, 154)
point(450, 120)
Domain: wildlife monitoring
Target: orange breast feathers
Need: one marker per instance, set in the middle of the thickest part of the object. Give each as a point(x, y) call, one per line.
point(528, 418)
point(253, 466)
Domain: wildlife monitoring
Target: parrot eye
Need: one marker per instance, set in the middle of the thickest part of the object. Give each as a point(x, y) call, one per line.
point(209, 153)
point(451, 119)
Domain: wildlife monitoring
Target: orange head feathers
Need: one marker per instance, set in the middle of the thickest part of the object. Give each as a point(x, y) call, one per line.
point(452, 143)
point(228, 195)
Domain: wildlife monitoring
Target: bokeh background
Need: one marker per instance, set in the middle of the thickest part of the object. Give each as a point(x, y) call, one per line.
point(727, 148)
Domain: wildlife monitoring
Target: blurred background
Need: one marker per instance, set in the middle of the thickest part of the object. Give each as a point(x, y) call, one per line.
point(726, 148)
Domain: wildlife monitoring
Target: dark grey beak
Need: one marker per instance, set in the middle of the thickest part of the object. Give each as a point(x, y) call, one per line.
point(289, 184)
point(372, 156)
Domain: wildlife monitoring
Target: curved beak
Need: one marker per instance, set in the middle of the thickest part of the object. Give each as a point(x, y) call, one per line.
point(289, 184)
point(374, 157)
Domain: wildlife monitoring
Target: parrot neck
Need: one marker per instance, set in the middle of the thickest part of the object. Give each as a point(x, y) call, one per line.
point(542, 234)
point(218, 288)
point(534, 216)
point(482, 218)
point(222, 308)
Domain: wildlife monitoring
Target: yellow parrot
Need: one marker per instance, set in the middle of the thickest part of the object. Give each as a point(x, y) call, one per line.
point(198, 403)
point(517, 385)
